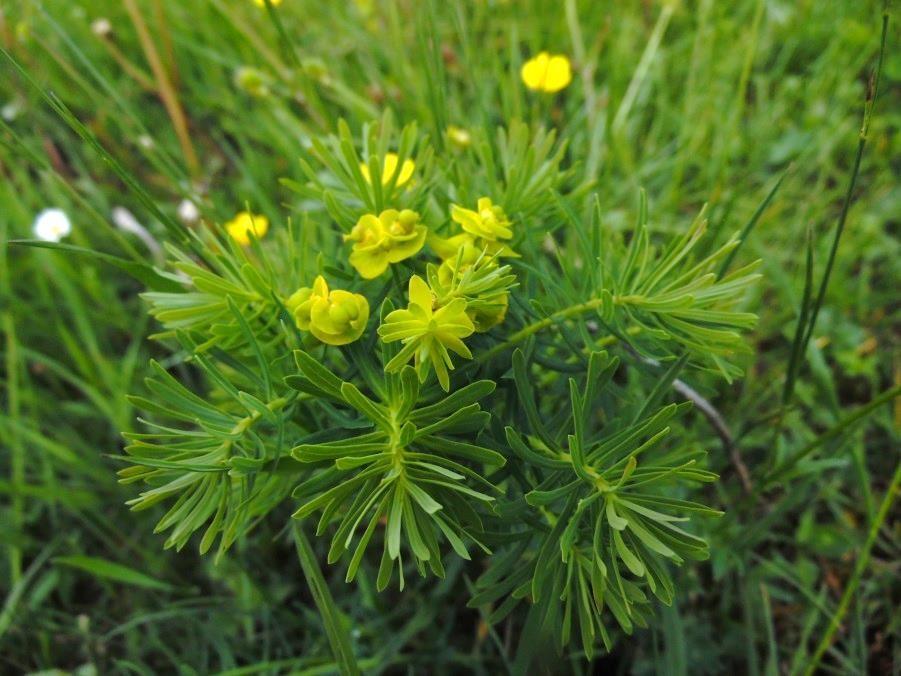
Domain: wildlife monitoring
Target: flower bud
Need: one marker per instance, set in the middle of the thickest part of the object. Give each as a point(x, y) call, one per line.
point(390, 237)
point(334, 317)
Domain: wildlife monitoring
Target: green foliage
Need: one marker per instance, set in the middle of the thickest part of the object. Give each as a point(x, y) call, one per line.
point(371, 445)
point(403, 467)
point(211, 467)
point(611, 524)
point(671, 298)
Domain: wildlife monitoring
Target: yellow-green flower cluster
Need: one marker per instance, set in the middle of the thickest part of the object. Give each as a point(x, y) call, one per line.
point(483, 241)
point(335, 317)
point(428, 332)
point(486, 228)
point(390, 237)
point(467, 275)
point(466, 293)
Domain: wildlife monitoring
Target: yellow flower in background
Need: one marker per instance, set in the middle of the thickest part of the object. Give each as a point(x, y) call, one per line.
point(245, 223)
point(389, 168)
point(252, 81)
point(459, 136)
point(334, 317)
point(262, 3)
point(488, 222)
point(390, 237)
point(547, 73)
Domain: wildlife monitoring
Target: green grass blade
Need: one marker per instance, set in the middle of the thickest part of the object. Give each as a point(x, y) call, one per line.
point(338, 636)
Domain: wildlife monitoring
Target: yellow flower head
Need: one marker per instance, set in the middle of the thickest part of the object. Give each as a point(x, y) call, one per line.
point(489, 222)
point(390, 237)
point(245, 223)
point(262, 3)
point(427, 333)
point(459, 137)
point(547, 73)
point(252, 81)
point(389, 168)
point(334, 317)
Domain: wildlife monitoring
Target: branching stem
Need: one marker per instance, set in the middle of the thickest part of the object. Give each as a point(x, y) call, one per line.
point(550, 320)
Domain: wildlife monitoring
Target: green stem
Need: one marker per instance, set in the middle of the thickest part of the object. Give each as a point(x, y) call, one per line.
point(17, 455)
point(540, 325)
point(337, 633)
point(547, 322)
point(849, 195)
point(861, 566)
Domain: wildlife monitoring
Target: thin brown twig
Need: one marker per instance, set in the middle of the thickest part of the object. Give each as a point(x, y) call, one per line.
point(138, 75)
point(162, 25)
point(716, 420)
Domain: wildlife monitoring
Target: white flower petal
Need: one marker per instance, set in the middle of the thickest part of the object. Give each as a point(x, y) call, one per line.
point(51, 225)
point(188, 212)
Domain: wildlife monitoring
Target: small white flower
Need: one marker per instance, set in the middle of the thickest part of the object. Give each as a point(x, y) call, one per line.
point(549, 244)
point(188, 212)
point(51, 225)
point(145, 141)
point(102, 28)
point(11, 110)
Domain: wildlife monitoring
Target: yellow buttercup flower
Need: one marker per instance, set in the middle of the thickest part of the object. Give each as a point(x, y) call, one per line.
point(390, 237)
point(547, 73)
point(334, 317)
point(427, 333)
point(389, 168)
point(245, 223)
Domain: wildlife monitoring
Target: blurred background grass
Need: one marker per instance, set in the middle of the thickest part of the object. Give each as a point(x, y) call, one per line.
point(214, 101)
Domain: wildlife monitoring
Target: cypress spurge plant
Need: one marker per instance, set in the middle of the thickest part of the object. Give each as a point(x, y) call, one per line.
point(444, 356)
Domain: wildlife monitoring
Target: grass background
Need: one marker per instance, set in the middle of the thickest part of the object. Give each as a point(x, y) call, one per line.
point(695, 102)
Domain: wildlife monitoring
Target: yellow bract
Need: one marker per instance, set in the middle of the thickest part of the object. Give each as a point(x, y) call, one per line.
point(427, 333)
point(484, 229)
point(389, 168)
point(390, 237)
point(447, 247)
point(334, 317)
point(490, 310)
point(244, 223)
point(547, 73)
point(489, 222)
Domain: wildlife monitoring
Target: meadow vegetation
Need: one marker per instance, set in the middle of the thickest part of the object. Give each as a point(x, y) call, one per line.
point(219, 451)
